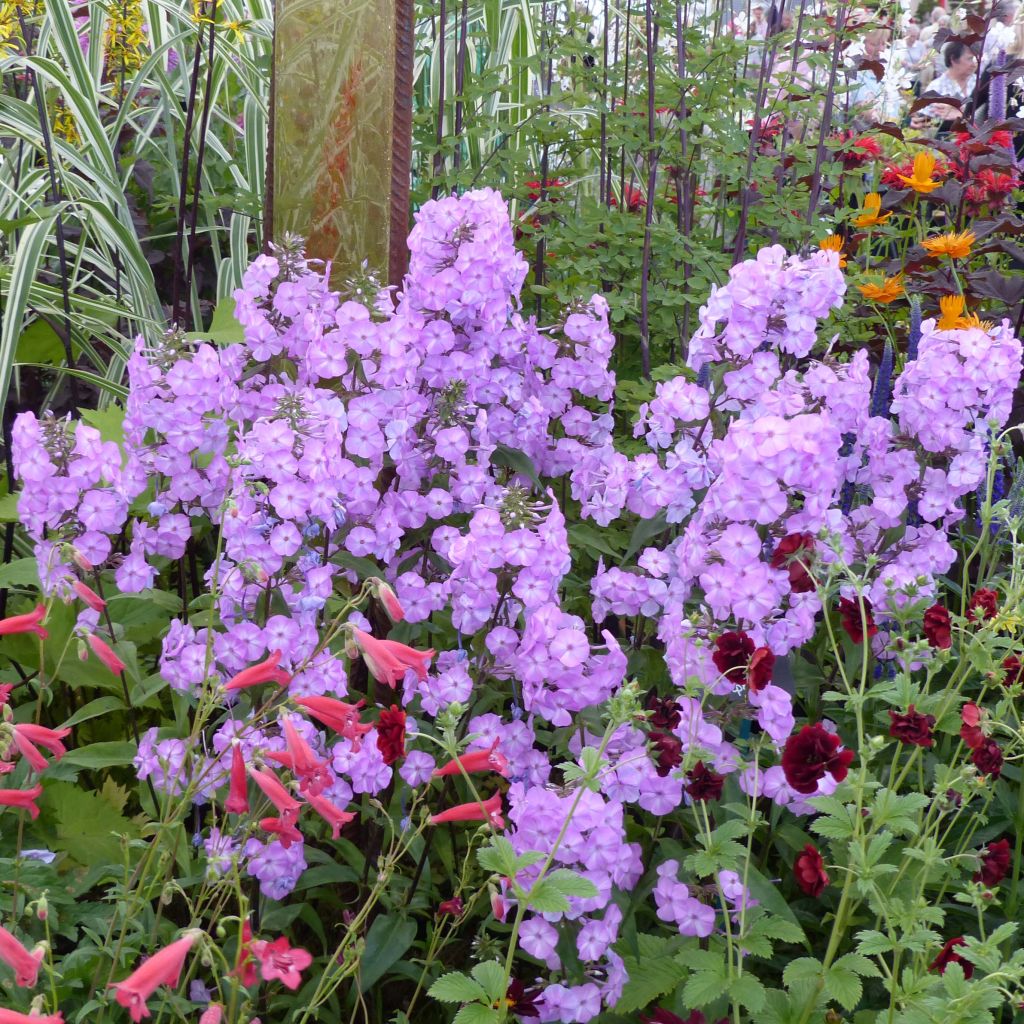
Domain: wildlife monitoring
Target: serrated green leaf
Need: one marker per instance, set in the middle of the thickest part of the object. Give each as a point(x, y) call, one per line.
point(545, 898)
point(650, 977)
point(569, 883)
point(804, 968)
point(476, 1013)
point(456, 988)
point(491, 975)
point(499, 857)
point(870, 943)
point(843, 986)
point(705, 987)
point(747, 992)
point(858, 964)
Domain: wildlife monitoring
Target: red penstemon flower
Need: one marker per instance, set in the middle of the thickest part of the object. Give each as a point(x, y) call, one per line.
point(288, 807)
point(857, 625)
point(300, 758)
point(245, 965)
point(105, 653)
point(331, 813)
point(14, 1017)
point(809, 870)
point(388, 599)
point(704, 783)
point(89, 596)
point(337, 715)
point(912, 727)
point(265, 672)
point(27, 623)
point(213, 1014)
point(938, 627)
point(24, 964)
point(984, 605)
point(947, 956)
point(489, 760)
point(812, 753)
point(391, 734)
point(489, 811)
point(285, 831)
point(280, 962)
point(162, 968)
point(388, 660)
point(995, 863)
point(24, 799)
point(794, 553)
point(27, 735)
point(454, 907)
point(238, 790)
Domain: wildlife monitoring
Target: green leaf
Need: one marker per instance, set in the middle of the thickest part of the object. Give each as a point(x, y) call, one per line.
point(40, 343)
point(843, 986)
point(858, 964)
point(644, 532)
point(109, 421)
point(569, 883)
point(545, 898)
point(101, 755)
point(519, 462)
point(747, 992)
point(804, 968)
point(498, 857)
point(95, 708)
point(456, 988)
point(9, 509)
point(655, 973)
point(872, 942)
point(22, 572)
point(491, 976)
point(386, 943)
point(87, 823)
point(705, 987)
point(476, 1013)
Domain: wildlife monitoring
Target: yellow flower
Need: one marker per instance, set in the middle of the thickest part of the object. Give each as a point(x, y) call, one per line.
point(64, 126)
point(952, 307)
point(872, 214)
point(239, 29)
point(126, 37)
point(833, 243)
point(888, 291)
point(955, 246)
point(921, 180)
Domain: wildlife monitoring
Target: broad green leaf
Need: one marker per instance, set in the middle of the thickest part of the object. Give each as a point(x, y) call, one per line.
point(386, 942)
point(22, 572)
point(653, 975)
point(86, 824)
point(498, 856)
point(456, 988)
point(747, 992)
point(705, 987)
point(804, 968)
point(569, 883)
point(95, 708)
point(545, 898)
point(843, 986)
point(476, 1013)
point(491, 975)
point(102, 755)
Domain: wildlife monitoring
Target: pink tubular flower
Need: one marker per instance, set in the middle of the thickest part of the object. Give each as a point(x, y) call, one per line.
point(105, 653)
point(89, 596)
point(286, 804)
point(162, 968)
point(265, 672)
point(278, 961)
point(27, 623)
point(238, 791)
point(388, 598)
point(24, 964)
point(490, 760)
point(23, 798)
point(489, 811)
point(245, 968)
point(284, 830)
point(301, 759)
point(331, 813)
point(337, 715)
point(27, 735)
point(388, 660)
point(13, 1017)
point(213, 1014)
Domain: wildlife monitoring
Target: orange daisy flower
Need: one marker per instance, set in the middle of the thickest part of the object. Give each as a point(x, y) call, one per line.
point(888, 291)
point(955, 245)
point(872, 214)
point(952, 307)
point(833, 243)
point(921, 180)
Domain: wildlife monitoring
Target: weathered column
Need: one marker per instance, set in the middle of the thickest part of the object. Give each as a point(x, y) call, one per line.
point(340, 147)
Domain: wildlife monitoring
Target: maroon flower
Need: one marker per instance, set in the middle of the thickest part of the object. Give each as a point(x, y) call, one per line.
point(664, 713)
point(810, 754)
point(661, 1016)
point(988, 759)
point(984, 605)
point(947, 956)
point(733, 651)
point(971, 732)
point(759, 671)
point(522, 1000)
point(809, 869)
point(995, 863)
point(454, 906)
point(794, 553)
point(668, 749)
point(853, 623)
point(704, 784)
point(912, 727)
point(391, 734)
point(1014, 670)
point(938, 627)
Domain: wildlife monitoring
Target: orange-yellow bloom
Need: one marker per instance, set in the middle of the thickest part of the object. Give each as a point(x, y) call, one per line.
point(833, 243)
point(872, 214)
point(952, 244)
point(952, 307)
point(921, 180)
point(888, 291)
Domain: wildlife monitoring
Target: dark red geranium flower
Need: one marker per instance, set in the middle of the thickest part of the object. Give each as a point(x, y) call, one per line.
point(947, 956)
point(983, 605)
point(794, 553)
point(759, 672)
point(995, 863)
point(454, 906)
point(522, 1000)
point(912, 727)
point(970, 731)
point(809, 869)
point(664, 714)
point(704, 784)
point(1014, 670)
point(810, 754)
point(988, 759)
point(551, 185)
point(632, 197)
point(853, 623)
point(669, 750)
point(391, 734)
point(938, 627)
point(732, 654)
point(661, 1016)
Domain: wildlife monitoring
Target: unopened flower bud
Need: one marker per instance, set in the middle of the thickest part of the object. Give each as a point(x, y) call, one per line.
point(388, 598)
point(42, 908)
